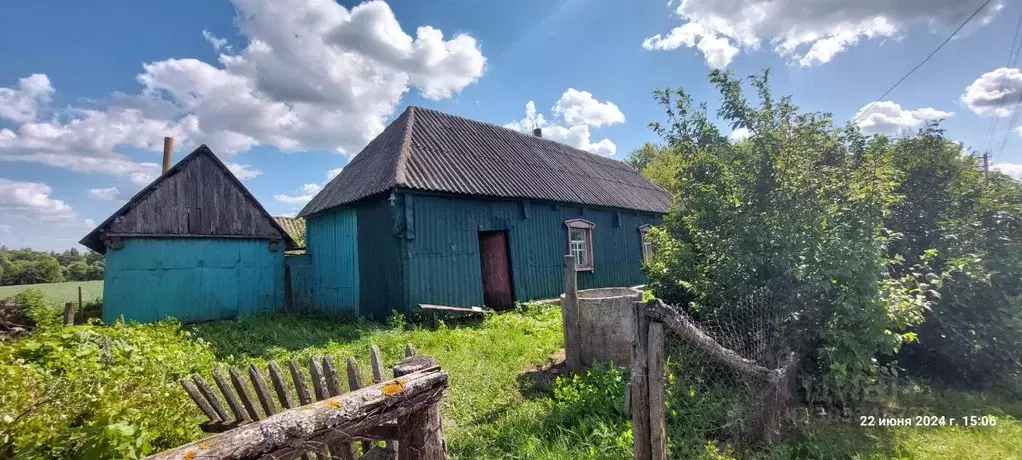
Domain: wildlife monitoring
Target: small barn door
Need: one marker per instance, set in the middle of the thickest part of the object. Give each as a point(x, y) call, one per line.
point(493, 251)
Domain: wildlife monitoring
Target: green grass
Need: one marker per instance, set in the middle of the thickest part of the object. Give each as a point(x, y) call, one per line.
point(59, 293)
point(112, 391)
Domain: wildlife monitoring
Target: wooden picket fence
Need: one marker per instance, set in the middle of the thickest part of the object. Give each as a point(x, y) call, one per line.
point(397, 418)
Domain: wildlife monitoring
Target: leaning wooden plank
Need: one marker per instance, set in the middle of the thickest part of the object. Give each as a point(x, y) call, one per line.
point(277, 377)
point(409, 350)
point(200, 401)
point(318, 380)
point(427, 306)
point(333, 378)
point(211, 397)
point(301, 387)
point(240, 414)
point(246, 397)
point(354, 383)
point(339, 418)
point(376, 361)
point(262, 390)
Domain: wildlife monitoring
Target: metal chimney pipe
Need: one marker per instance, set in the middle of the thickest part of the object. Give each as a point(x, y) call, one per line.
point(168, 152)
point(538, 132)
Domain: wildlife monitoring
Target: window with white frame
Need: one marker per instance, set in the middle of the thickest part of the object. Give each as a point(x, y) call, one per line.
point(647, 244)
point(580, 242)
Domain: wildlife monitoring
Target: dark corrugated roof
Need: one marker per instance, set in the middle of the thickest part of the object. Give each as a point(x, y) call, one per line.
point(429, 150)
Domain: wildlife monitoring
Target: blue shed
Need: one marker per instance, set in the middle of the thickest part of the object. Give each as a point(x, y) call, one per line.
point(194, 245)
point(440, 209)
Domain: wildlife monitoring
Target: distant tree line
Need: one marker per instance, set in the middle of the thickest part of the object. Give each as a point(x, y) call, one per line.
point(25, 266)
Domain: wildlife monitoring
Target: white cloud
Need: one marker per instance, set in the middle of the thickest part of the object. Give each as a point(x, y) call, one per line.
point(89, 224)
point(307, 191)
point(5, 229)
point(808, 33)
point(580, 108)
point(1014, 170)
point(106, 194)
point(21, 104)
point(887, 117)
point(740, 134)
point(217, 42)
point(995, 93)
point(243, 172)
point(574, 113)
point(32, 201)
point(311, 75)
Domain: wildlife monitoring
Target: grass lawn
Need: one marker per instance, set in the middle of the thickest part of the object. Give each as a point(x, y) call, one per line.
point(59, 293)
point(112, 391)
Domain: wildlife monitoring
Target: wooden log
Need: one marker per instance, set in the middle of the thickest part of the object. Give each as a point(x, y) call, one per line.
point(69, 314)
point(569, 316)
point(262, 390)
point(339, 418)
point(657, 402)
point(200, 401)
point(409, 350)
point(318, 380)
point(421, 432)
point(240, 414)
point(301, 387)
point(210, 396)
point(686, 329)
point(246, 397)
point(280, 385)
point(640, 384)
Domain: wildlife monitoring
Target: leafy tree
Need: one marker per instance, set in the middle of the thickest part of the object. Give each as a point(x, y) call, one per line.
point(797, 209)
point(974, 222)
point(657, 163)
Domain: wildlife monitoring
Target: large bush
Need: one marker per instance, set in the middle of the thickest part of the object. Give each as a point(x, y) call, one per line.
point(796, 209)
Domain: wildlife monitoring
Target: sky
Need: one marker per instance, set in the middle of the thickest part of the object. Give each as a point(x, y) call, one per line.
point(285, 93)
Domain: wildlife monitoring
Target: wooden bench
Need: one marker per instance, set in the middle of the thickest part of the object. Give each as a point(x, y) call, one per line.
point(411, 429)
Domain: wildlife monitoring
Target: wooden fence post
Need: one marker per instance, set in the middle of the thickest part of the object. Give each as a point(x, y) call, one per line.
point(421, 433)
point(81, 308)
point(69, 313)
point(655, 369)
point(569, 316)
point(640, 383)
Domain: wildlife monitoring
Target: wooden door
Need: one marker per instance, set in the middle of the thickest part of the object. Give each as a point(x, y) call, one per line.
point(493, 251)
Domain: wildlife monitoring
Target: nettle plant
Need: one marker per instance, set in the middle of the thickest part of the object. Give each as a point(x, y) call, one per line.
point(796, 207)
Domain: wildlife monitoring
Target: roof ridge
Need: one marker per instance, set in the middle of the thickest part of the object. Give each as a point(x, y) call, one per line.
point(401, 165)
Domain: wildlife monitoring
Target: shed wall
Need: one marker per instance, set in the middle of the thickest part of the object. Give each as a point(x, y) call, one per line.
point(382, 272)
point(442, 260)
point(192, 279)
point(332, 244)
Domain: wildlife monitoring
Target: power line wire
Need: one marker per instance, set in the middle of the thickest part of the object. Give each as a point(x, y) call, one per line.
point(1013, 55)
point(870, 106)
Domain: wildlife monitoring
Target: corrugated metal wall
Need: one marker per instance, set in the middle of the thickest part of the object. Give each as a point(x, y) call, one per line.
point(332, 243)
point(381, 268)
point(192, 279)
point(443, 264)
point(300, 274)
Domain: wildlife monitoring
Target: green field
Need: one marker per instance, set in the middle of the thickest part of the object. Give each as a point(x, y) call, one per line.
point(59, 293)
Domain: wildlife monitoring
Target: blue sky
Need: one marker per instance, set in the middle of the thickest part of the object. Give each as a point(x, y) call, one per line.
point(286, 92)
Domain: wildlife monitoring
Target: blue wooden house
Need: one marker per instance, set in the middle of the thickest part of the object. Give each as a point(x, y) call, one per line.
point(440, 209)
point(195, 245)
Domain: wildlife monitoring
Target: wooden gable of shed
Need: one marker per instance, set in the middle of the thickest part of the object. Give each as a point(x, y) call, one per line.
point(198, 197)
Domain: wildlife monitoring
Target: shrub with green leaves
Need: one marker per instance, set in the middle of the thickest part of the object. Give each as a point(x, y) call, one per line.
point(796, 209)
